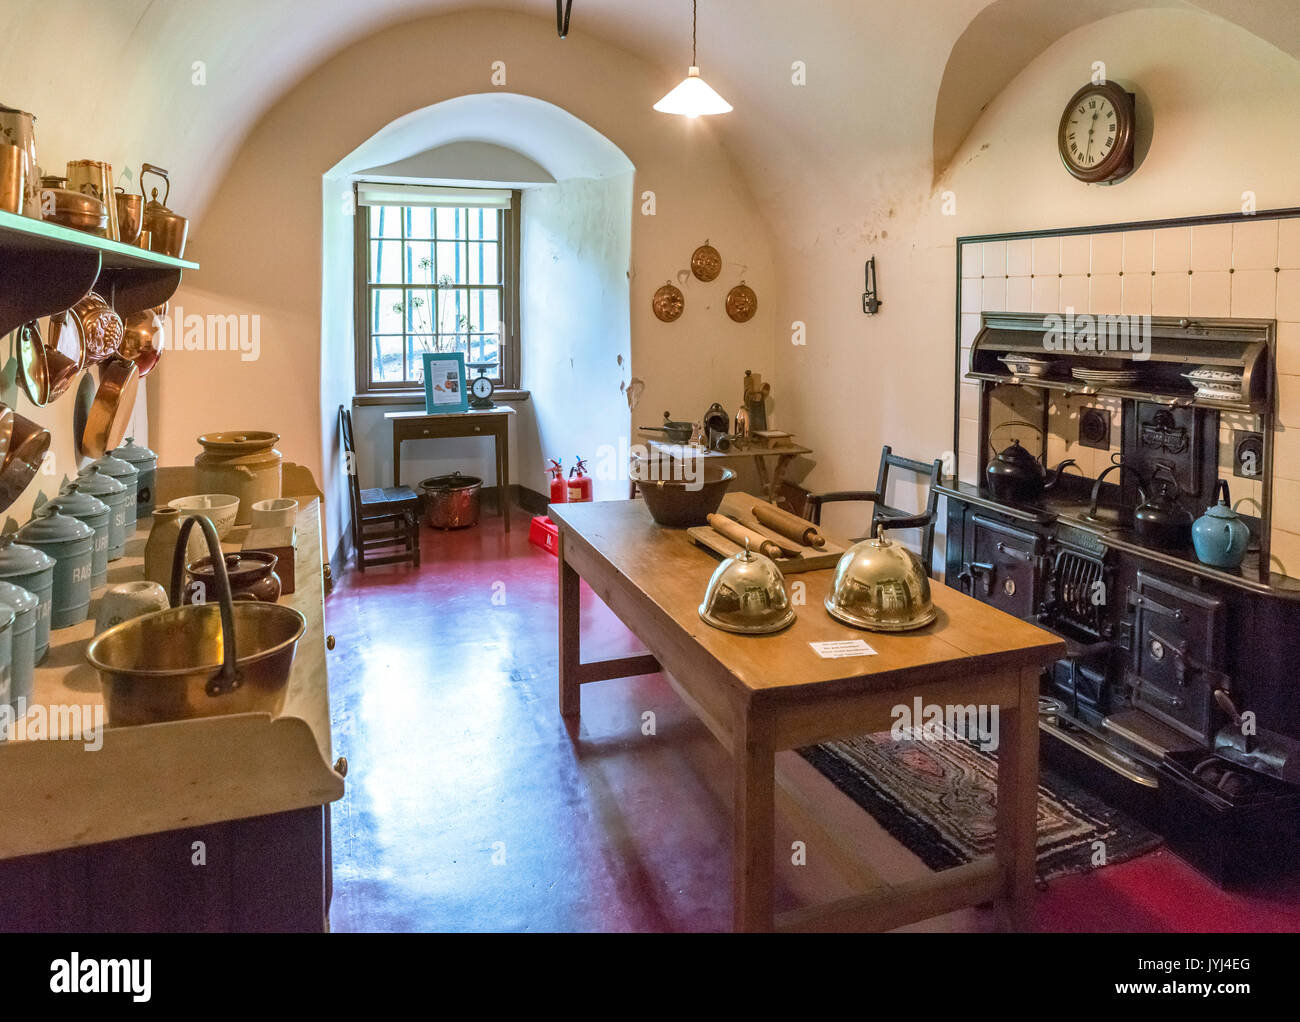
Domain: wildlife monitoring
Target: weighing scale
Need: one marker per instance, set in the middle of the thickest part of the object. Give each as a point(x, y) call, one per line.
point(481, 388)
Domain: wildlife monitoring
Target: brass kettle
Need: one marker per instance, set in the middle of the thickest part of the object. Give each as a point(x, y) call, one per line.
point(167, 230)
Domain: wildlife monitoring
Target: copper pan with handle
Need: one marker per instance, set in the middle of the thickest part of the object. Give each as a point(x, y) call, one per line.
point(25, 445)
point(109, 415)
point(48, 365)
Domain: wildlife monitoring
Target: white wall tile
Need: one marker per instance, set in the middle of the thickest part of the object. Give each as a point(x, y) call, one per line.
point(972, 295)
point(1254, 294)
point(1172, 250)
point(1288, 345)
point(1211, 290)
point(970, 326)
point(1286, 454)
point(1076, 254)
point(1288, 243)
point(970, 401)
point(1107, 252)
point(1285, 547)
point(1019, 294)
point(1286, 504)
point(995, 294)
point(1019, 259)
point(1074, 292)
point(1137, 294)
point(995, 258)
point(972, 261)
point(1046, 296)
point(1211, 246)
point(1254, 245)
point(1047, 256)
point(1288, 401)
point(1105, 292)
point(1137, 252)
point(1171, 294)
point(1288, 295)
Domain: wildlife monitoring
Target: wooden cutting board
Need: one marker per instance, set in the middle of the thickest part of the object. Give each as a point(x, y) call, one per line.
point(737, 506)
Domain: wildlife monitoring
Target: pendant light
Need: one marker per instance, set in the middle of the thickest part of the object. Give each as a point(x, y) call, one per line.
point(693, 97)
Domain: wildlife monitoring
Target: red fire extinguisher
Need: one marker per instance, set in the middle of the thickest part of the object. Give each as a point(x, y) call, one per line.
point(559, 491)
point(579, 483)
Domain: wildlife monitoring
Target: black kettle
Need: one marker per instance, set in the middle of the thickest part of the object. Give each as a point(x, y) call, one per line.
point(1016, 477)
point(1160, 520)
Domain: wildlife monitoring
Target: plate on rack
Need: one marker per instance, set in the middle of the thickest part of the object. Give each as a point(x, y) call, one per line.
point(1106, 377)
point(1021, 364)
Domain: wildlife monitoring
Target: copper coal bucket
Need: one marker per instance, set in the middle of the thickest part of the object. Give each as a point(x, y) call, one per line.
point(451, 501)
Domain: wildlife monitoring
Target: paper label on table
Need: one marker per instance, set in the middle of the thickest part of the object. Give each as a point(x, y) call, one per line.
point(842, 648)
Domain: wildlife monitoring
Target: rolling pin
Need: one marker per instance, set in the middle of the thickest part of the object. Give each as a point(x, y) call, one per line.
point(738, 534)
point(792, 527)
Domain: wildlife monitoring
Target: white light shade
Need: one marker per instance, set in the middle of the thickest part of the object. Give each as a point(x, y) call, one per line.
point(693, 98)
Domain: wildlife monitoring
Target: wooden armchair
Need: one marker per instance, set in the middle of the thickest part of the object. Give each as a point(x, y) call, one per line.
point(384, 520)
point(882, 512)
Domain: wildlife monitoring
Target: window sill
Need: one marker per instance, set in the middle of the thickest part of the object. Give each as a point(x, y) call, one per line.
point(406, 397)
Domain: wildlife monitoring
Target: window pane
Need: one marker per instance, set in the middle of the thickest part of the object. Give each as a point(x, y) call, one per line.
point(385, 221)
point(387, 308)
point(419, 222)
point(419, 344)
point(386, 358)
point(483, 262)
point(453, 342)
point(419, 262)
point(386, 262)
point(485, 311)
point(451, 262)
point(486, 348)
point(450, 222)
point(419, 311)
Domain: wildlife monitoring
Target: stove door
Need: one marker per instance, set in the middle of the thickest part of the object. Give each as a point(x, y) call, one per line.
point(1004, 564)
point(1178, 655)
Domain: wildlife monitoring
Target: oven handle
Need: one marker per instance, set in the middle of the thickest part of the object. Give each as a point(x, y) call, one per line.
point(1188, 663)
point(981, 569)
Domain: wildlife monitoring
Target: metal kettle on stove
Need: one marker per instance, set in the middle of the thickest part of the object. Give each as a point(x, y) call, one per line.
point(1015, 476)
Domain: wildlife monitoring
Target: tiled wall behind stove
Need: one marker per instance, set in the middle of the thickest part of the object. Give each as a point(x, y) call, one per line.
point(1246, 270)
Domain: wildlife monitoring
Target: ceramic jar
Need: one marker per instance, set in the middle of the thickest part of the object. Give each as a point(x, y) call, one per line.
point(7, 616)
point(145, 463)
point(19, 128)
point(95, 513)
point(251, 573)
point(245, 464)
point(33, 570)
point(160, 547)
point(125, 473)
point(130, 599)
point(23, 672)
point(115, 495)
point(71, 544)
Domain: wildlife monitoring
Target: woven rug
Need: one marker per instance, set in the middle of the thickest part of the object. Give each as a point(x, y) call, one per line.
point(939, 799)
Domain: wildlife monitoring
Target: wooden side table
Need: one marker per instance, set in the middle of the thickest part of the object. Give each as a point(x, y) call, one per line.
point(493, 422)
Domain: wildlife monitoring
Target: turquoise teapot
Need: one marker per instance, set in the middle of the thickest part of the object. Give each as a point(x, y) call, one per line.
point(1220, 536)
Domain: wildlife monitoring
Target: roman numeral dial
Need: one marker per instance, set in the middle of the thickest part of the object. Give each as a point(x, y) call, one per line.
point(1095, 137)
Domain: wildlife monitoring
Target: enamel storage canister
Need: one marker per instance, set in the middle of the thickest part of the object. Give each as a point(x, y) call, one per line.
point(70, 543)
point(33, 570)
point(115, 495)
point(7, 616)
point(95, 513)
point(23, 673)
point(125, 473)
point(145, 463)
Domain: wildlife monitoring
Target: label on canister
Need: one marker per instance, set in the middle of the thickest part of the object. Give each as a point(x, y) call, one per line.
point(72, 574)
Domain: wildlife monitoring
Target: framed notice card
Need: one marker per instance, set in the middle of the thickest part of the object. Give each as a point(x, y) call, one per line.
point(444, 382)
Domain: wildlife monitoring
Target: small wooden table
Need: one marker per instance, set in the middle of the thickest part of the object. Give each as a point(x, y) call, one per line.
point(770, 480)
point(493, 422)
point(762, 694)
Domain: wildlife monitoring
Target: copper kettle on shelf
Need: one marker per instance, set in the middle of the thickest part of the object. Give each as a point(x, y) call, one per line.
point(168, 231)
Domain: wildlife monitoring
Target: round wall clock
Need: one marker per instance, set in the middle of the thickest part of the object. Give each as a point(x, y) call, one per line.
point(1096, 134)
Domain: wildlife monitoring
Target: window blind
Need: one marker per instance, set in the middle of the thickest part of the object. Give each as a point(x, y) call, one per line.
point(372, 193)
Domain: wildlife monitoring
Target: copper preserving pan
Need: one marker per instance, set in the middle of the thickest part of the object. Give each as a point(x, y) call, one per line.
point(45, 371)
point(110, 414)
point(28, 443)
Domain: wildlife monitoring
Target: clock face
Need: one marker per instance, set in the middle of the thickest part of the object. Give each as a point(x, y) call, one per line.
point(1095, 136)
point(482, 388)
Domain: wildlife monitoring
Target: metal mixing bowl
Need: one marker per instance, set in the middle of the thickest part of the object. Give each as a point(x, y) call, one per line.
point(747, 594)
point(881, 586)
point(163, 666)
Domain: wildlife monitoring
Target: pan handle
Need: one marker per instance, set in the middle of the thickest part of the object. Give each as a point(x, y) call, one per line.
point(228, 678)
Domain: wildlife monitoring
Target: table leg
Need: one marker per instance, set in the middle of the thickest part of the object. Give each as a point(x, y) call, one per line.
point(753, 765)
point(503, 475)
point(778, 477)
point(570, 633)
point(764, 476)
point(1017, 814)
point(397, 455)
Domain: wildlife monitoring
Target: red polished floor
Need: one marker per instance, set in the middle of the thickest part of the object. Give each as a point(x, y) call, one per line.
point(470, 806)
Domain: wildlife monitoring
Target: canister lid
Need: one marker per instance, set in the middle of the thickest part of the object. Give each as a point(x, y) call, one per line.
point(17, 597)
point(95, 482)
point(48, 526)
point(78, 504)
point(19, 559)
point(133, 452)
point(118, 468)
point(7, 616)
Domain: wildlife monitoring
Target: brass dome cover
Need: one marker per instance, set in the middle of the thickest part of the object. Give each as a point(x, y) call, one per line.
point(881, 586)
point(747, 595)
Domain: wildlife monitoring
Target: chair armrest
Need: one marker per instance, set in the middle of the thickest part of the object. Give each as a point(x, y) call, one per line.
point(816, 500)
point(906, 521)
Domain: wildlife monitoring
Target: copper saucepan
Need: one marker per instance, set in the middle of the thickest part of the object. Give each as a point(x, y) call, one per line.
point(28, 442)
point(110, 413)
point(46, 370)
point(142, 341)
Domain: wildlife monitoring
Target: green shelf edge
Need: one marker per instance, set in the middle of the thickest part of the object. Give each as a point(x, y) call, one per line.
point(15, 228)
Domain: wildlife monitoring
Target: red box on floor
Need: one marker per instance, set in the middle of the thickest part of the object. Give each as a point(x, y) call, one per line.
point(545, 534)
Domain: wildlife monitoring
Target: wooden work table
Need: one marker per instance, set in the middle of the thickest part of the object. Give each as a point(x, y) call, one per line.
point(770, 477)
point(246, 785)
point(762, 694)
